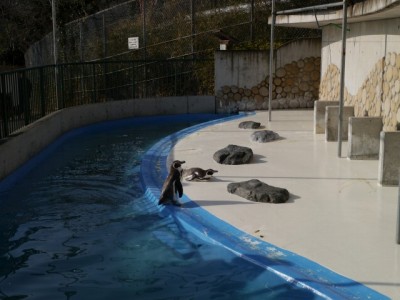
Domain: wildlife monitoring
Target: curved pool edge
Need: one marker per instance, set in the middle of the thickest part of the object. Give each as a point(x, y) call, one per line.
point(289, 266)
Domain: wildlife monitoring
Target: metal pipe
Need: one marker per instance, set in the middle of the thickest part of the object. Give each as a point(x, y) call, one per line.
point(252, 21)
point(104, 38)
point(81, 41)
point(192, 20)
point(322, 6)
point(144, 49)
point(271, 59)
point(54, 16)
point(342, 73)
point(398, 217)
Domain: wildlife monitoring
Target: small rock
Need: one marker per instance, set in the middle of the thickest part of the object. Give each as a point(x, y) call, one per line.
point(264, 136)
point(258, 191)
point(249, 125)
point(233, 155)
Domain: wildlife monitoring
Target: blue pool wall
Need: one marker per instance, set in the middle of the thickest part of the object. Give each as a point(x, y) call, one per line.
point(13, 177)
point(287, 265)
point(25, 143)
point(290, 267)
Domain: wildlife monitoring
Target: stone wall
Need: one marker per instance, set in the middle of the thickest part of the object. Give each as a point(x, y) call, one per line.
point(295, 85)
point(379, 94)
point(242, 77)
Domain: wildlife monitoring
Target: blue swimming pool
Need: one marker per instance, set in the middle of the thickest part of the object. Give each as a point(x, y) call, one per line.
point(75, 223)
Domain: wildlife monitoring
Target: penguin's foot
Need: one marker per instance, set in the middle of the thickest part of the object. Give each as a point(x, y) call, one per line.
point(168, 202)
point(176, 203)
point(163, 201)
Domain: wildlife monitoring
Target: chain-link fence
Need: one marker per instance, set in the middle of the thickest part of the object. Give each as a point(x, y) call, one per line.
point(169, 29)
point(177, 40)
point(27, 95)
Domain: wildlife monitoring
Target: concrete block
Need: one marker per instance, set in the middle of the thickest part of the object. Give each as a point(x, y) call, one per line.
point(364, 137)
point(389, 158)
point(319, 114)
point(332, 122)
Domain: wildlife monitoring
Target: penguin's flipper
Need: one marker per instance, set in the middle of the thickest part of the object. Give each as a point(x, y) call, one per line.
point(179, 188)
point(191, 177)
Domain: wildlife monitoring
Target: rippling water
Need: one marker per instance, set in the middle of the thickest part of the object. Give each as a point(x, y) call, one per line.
point(79, 227)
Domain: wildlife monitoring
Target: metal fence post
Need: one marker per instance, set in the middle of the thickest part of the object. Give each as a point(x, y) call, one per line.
point(23, 96)
point(61, 93)
point(342, 78)
point(94, 83)
point(80, 41)
point(3, 106)
point(398, 215)
point(271, 60)
point(133, 81)
point(144, 49)
point(42, 97)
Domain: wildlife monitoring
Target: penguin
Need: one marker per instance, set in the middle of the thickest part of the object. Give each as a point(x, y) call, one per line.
point(172, 187)
point(198, 174)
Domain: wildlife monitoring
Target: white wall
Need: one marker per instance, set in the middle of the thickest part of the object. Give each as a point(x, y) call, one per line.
point(240, 68)
point(249, 68)
point(297, 50)
point(366, 43)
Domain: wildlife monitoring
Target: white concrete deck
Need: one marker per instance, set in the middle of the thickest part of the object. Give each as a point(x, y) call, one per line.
point(337, 215)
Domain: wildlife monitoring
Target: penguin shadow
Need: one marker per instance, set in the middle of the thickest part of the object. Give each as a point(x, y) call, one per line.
point(280, 138)
point(292, 198)
point(217, 179)
point(258, 159)
point(202, 203)
point(261, 127)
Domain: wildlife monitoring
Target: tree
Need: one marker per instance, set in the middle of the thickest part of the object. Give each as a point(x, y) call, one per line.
point(21, 22)
point(24, 22)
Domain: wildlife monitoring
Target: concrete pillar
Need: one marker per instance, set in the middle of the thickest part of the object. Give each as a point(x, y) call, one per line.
point(332, 122)
point(389, 158)
point(364, 137)
point(319, 114)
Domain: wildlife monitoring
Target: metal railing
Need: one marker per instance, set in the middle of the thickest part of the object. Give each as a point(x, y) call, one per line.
point(27, 95)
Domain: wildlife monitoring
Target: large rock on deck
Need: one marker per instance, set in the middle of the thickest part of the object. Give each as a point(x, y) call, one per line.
point(258, 191)
point(264, 136)
point(233, 155)
point(249, 125)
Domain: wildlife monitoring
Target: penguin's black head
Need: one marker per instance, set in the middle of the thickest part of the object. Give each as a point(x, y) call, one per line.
point(211, 171)
point(176, 164)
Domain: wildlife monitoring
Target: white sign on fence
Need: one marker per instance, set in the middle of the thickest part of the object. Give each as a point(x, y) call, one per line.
point(133, 43)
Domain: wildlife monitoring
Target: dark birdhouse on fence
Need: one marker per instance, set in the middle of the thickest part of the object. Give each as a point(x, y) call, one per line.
point(225, 40)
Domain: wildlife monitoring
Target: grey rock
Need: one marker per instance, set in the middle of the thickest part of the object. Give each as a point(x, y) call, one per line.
point(249, 125)
point(258, 191)
point(264, 136)
point(233, 155)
